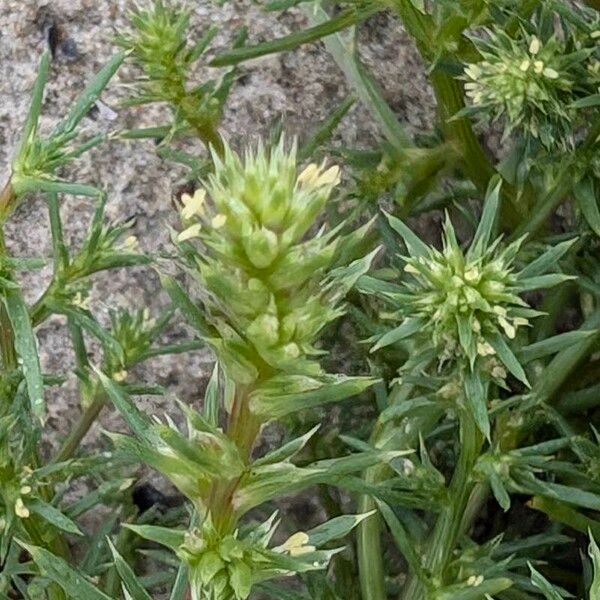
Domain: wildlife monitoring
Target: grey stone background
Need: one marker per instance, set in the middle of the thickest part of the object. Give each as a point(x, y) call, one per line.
point(302, 86)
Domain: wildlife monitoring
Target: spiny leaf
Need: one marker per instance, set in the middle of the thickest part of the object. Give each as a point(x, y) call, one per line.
point(292, 41)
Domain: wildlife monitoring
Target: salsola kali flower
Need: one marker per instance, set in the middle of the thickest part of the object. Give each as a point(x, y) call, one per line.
point(267, 288)
point(462, 309)
point(228, 565)
point(530, 83)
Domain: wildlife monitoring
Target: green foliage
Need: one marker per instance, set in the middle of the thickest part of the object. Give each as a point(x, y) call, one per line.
point(470, 349)
point(535, 81)
point(158, 45)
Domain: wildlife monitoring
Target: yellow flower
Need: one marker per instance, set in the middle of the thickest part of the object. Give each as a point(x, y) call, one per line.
point(314, 176)
point(193, 205)
point(120, 375)
point(130, 243)
point(191, 232)
point(534, 46)
point(218, 221)
point(485, 349)
point(297, 544)
point(550, 73)
point(20, 509)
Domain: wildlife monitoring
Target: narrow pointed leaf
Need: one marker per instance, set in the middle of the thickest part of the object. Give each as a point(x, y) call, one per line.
point(505, 354)
point(546, 588)
point(476, 393)
point(89, 96)
point(415, 246)
point(189, 310)
point(166, 536)
point(405, 544)
point(335, 529)
point(275, 400)
point(71, 581)
point(130, 581)
point(53, 516)
point(552, 345)
point(408, 328)
point(292, 41)
point(37, 96)
point(26, 347)
point(486, 225)
point(548, 260)
point(587, 200)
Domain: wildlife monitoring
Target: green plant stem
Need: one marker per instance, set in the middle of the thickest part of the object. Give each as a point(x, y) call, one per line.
point(7, 342)
point(243, 428)
point(369, 551)
point(204, 127)
point(86, 420)
point(370, 557)
point(547, 390)
point(7, 197)
point(449, 95)
point(448, 526)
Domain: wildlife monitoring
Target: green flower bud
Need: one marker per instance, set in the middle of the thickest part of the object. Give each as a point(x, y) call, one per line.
point(262, 247)
point(532, 82)
point(264, 330)
point(266, 289)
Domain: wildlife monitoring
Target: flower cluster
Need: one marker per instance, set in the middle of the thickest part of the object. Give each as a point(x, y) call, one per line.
point(228, 565)
point(462, 308)
point(267, 289)
point(158, 45)
point(531, 83)
point(463, 301)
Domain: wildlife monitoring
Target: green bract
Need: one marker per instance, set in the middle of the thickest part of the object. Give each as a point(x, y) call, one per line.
point(462, 309)
point(269, 288)
point(533, 82)
point(478, 352)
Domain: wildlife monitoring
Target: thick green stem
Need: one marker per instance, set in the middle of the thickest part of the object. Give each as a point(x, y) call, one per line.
point(448, 526)
point(243, 429)
point(474, 162)
point(369, 551)
point(370, 557)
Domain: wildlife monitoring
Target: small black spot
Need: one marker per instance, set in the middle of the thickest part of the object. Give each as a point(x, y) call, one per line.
point(69, 50)
point(93, 113)
point(244, 79)
point(145, 496)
